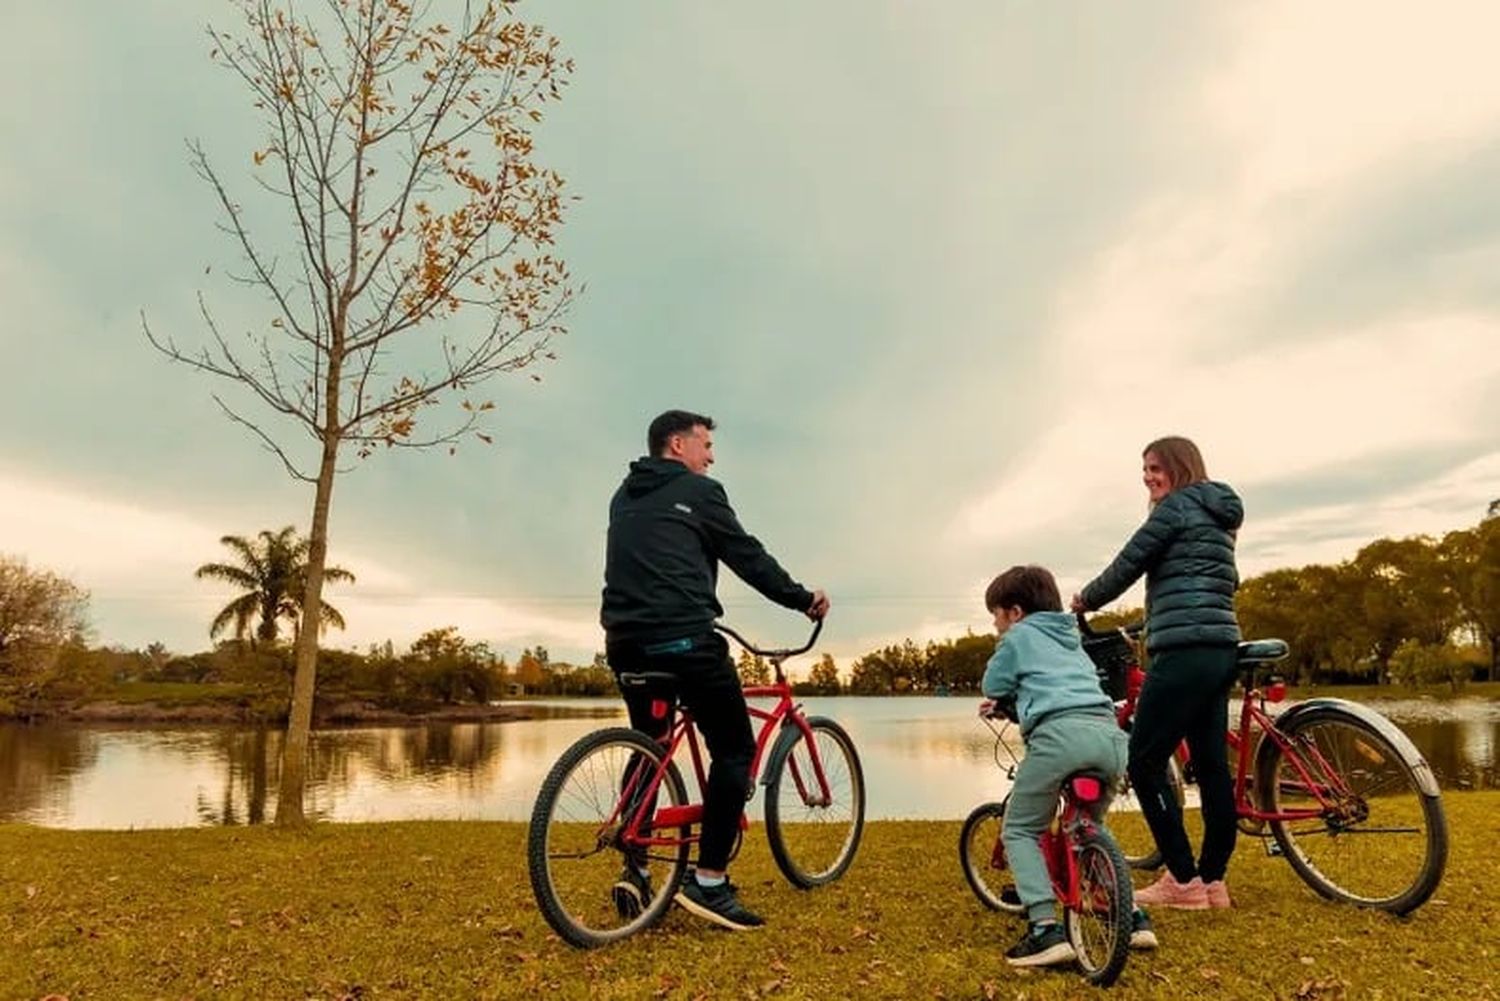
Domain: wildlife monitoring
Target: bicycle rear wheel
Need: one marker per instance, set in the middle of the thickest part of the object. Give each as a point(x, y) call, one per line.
point(578, 864)
point(1099, 927)
point(1379, 840)
point(982, 858)
point(812, 841)
point(1128, 824)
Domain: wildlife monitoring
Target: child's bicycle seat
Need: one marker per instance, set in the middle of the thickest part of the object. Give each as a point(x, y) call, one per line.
point(1087, 787)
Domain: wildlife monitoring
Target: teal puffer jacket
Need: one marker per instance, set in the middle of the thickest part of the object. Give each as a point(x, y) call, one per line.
point(1186, 551)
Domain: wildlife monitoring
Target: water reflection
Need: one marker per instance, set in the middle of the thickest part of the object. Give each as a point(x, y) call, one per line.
point(923, 758)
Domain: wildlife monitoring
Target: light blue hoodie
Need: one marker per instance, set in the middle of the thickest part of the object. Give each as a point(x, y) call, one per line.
point(1040, 661)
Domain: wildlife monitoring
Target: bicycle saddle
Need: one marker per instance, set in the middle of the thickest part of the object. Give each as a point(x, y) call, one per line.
point(1088, 786)
point(1262, 651)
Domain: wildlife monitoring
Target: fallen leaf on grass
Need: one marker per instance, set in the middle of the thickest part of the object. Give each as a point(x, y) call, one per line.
point(1330, 988)
point(1209, 973)
point(31, 891)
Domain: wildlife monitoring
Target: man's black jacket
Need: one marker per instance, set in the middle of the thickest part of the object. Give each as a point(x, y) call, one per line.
point(668, 530)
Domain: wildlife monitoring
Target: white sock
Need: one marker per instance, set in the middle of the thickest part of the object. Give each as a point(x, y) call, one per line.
point(708, 880)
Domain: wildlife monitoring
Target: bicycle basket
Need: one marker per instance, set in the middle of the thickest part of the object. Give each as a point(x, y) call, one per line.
point(1112, 655)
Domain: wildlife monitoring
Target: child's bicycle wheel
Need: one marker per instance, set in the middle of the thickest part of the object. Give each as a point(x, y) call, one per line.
point(1099, 927)
point(982, 858)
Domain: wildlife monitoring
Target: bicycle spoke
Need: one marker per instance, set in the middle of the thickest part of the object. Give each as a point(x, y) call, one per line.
point(1373, 841)
point(590, 887)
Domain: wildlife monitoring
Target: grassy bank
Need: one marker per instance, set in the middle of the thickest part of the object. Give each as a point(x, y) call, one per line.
point(444, 910)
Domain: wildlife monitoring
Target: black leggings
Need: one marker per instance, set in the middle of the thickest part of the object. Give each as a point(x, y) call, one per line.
point(1185, 697)
point(709, 686)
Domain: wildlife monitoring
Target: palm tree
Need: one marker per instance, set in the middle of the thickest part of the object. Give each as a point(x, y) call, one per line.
point(272, 568)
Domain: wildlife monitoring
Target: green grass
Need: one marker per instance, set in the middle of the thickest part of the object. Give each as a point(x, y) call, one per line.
point(444, 909)
point(1368, 693)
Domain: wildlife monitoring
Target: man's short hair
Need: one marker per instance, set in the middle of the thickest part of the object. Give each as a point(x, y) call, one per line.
point(1031, 587)
point(670, 423)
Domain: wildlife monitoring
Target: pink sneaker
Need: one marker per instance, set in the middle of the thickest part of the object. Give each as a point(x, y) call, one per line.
point(1167, 892)
point(1217, 893)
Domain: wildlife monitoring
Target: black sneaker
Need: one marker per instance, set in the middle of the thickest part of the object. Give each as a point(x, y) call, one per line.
point(1042, 945)
point(1142, 936)
point(718, 904)
point(632, 892)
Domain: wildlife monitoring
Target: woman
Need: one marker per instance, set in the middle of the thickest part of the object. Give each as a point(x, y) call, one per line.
point(1186, 551)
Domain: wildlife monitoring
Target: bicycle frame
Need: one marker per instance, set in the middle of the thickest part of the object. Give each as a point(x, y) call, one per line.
point(786, 712)
point(1325, 790)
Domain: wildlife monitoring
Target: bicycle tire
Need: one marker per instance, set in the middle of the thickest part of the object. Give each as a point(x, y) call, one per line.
point(1127, 822)
point(814, 844)
point(1342, 854)
point(1099, 927)
point(571, 823)
point(978, 857)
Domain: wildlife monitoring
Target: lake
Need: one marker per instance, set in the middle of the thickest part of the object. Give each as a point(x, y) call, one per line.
point(927, 758)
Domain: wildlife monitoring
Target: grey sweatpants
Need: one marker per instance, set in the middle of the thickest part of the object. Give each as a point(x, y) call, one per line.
point(1055, 748)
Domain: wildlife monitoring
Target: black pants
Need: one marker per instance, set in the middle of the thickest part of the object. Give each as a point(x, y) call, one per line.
point(1185, 696)
point(709, 686)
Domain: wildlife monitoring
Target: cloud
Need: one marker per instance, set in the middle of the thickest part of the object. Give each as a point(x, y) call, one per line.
point(1142, 331)
point(138, 566)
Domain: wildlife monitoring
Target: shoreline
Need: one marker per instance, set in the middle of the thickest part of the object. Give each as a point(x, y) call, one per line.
point(336, 714)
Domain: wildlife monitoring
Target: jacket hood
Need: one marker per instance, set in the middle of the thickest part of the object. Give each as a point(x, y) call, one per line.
point(649, 474)
point(1060, 627)
point(1219, 500)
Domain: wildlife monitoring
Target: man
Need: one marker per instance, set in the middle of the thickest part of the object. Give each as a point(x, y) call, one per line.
point(669, 526)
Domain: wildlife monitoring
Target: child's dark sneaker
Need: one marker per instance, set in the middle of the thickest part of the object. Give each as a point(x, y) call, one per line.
point(719, 904)
point(1042, 945)
point(632, 892)
point(1142, 935)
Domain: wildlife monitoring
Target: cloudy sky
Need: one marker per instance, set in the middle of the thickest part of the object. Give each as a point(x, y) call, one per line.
point(938, 270)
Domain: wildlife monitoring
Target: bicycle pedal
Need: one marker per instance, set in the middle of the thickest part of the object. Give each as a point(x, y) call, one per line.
point(1272, 847)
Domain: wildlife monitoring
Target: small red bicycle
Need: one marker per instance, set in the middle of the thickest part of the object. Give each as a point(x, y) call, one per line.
point(1089, 875)
point(617, 797)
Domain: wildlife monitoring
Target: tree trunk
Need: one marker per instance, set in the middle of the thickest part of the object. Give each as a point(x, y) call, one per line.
point(289, 811)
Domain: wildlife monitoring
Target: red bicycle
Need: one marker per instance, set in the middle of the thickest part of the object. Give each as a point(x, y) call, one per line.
point(617, 798)
point(1330, 784)
point(1089, 875)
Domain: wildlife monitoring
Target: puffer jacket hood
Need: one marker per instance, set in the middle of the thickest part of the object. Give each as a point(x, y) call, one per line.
point(1219, 500)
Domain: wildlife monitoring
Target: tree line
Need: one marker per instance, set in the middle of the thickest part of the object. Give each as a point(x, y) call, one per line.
point(1409, 611)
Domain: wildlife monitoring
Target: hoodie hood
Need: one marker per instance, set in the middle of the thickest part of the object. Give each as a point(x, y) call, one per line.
point(1059, 627)
point(1219, 500)
point(649, 474)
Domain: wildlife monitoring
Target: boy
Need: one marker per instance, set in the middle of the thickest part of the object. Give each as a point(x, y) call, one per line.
point(1068, 725)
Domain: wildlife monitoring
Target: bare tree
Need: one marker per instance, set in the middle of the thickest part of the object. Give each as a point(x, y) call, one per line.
point(399, 152)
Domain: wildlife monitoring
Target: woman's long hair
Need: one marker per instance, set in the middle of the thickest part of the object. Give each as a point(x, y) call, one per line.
point(1181, 459)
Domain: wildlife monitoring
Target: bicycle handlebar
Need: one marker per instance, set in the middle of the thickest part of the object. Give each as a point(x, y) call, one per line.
point(773, 654)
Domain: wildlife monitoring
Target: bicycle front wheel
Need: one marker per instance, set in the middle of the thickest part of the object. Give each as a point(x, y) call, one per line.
point(1099, 927)
point(1378, 840)
point(982, 858)
point(813, 838)
point(1128, 824)
point(591, 886)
